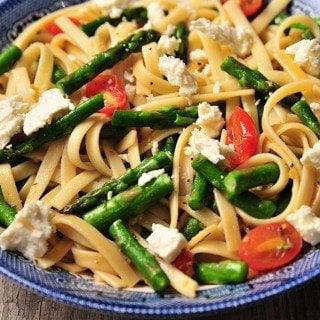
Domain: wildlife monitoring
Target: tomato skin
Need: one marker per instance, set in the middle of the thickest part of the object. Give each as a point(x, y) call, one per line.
point(249, 7)
point(184, 262)
point(270, 246)
point(52, 28)
point(242, 133)
point(113, 91)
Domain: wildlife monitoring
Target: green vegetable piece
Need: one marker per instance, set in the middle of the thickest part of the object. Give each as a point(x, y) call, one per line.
point(142, 259)
point(160, 160)
point(163, 118)
point(139, 14)
point(253, 205)
point(57, 73)
point(169, 145)
point(129, 203)
point(55, 130)
point(211, 172)
point(306, 115)
point(191, 228)
point(106, 60)
point(228, 271)
point(246, 201)
point(199, 193)
point(238, 181)
point(8, 57)
point(7, 213)
point(253, 79)
point(110, 132)
point(181, 33)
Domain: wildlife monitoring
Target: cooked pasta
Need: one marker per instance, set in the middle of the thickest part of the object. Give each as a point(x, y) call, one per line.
point(160, 77)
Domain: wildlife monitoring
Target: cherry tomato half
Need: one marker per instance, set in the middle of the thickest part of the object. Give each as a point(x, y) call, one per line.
point(54, 29)
point(270, 246)
point(184, 262)
point(114, 94)
point(242, 133)
point(249, 7)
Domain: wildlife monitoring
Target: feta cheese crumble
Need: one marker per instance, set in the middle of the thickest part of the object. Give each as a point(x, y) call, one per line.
point(197, 54)
point(29, 231)
point(312, 156)
point(306, 223)
point(51, 105)
point(166, 242)
point(307, 55)
point(177, 74)
point(12, 113)
point(212, 149)
point(148, 176)
point(155, 13)
point(115, 12)
point(315, 106)
point(210, 119)
point(237, 38)
point(167, 45)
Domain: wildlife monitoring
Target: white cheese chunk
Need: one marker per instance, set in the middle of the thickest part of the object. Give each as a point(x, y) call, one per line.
point(115, 12)
point(148, 176)
point(306, 223)
point(307, 55)
point(155, 13)
point(197, 54)
point(212, 149)
point(51, 105)
point(12, 113)
point(29, 231)
point(166, 242)
point(210, 119)
point(177, 74)
point(238, 39)
point(130, 90)
point(168, 45)
point(312, 156)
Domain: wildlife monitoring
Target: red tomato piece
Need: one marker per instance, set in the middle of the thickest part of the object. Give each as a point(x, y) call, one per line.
point(114, 94)
point(270, 246)
point(184, 262)
point(242, 133)
point(54, 29)
point(249, 7)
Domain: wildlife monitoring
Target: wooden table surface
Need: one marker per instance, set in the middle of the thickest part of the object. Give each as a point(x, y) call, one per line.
point(17, 303)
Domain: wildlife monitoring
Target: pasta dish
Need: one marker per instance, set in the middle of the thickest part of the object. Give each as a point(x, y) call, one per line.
point(162, 143)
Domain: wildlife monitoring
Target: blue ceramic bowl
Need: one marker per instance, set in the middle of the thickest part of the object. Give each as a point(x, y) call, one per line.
point(58, 284)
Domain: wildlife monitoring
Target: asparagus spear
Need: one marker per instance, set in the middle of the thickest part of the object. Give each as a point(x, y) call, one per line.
point(7, 213)
point(139, 14)
point(191, 228)
point(199, 193)
point(55, 130)
point(129, 203)
point(169, 145)
point(142, 259)
point(253, 79)
point(246, 201)
point(108, 131)
point(238, 181)
point(8, 57)
point(159, 160)
point(181, 33)
point(228, 271)
point(106, 60)
point(306, 115)
point(165, 117)
point(57, 73)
